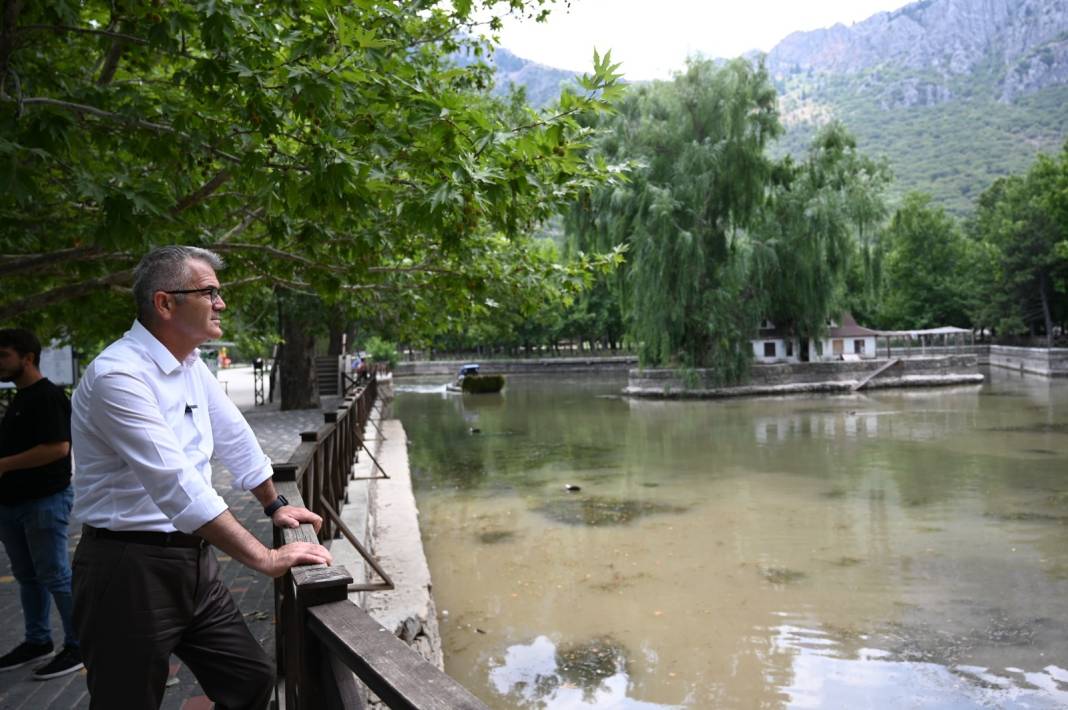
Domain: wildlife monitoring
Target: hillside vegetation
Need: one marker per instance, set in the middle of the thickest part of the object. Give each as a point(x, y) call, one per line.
point(954, 93)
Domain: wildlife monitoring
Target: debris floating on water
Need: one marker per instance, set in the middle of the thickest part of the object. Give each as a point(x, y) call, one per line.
point(492, 537)
point(781, 575)
point(597, 511)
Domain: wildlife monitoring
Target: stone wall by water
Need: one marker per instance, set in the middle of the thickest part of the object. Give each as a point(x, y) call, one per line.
point(519, 366)
point(1051, 362)
point(789, 378)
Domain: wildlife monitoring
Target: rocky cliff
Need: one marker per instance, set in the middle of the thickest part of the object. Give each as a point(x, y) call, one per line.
point(1022, 43)
point(954, 93)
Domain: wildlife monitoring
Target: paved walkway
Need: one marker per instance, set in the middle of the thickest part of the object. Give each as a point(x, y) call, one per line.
point(279, 434)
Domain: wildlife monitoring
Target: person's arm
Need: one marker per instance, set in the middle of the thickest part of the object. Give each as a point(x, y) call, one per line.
point(288, 516)
point(237, 447)
point(40, 455)
point(230, 536)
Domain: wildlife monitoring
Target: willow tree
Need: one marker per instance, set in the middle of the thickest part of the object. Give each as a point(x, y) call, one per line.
point(698, 179)
point(330, 148)
point(822, 213)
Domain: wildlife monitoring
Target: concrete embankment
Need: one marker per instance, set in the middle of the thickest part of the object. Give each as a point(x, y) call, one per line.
point(1050, 362)
point(519, 366)
point(797, 378)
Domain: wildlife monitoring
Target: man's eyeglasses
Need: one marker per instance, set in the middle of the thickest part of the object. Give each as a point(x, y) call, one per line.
point(211, 291)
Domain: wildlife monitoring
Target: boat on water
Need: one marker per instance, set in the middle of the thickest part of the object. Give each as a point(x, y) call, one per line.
point(470, 381)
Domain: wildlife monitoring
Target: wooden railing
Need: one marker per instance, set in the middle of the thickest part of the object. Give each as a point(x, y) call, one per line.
point(322, 464)
point(322, 638)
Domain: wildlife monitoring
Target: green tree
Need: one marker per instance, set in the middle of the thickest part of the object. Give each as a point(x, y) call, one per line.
point(820, 218)
point(331, 149)
point(926, 268)
point(698, 179)
point(1021, 222)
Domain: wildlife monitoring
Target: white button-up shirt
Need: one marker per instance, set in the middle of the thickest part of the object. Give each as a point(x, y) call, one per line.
point(143, 429)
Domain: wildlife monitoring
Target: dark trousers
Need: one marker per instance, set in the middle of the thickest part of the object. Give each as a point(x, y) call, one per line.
point(136, 604)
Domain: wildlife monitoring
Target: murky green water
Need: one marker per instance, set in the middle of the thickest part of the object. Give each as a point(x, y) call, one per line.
point(901, 548)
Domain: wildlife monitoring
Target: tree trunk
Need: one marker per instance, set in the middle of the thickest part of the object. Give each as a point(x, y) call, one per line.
point(334, 340)
point(300, 388)
point(1047, 316)
point(341, 330)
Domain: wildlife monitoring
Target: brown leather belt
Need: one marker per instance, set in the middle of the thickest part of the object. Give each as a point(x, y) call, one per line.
point(146, 537)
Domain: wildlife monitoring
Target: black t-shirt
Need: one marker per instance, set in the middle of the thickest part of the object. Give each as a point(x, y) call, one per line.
point(39, 414)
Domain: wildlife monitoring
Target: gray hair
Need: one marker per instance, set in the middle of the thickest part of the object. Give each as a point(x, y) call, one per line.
point(166, 269)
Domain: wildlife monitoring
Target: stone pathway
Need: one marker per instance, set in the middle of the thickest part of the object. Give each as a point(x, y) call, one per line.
point(278, 434)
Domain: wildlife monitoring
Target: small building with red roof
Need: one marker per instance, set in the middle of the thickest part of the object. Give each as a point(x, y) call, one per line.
point(844, 340)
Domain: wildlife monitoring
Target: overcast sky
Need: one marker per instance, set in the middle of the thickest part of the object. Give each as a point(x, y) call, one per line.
point(653, 37)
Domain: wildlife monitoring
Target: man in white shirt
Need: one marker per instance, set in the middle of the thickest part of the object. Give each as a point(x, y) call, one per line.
point(147, 417)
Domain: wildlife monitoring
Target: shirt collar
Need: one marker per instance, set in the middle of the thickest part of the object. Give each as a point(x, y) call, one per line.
point(160, 355)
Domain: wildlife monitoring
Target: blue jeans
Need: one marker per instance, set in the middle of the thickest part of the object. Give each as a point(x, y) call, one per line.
point(34, 534)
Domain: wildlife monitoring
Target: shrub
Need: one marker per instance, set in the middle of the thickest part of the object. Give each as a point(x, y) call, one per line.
point(382, 351)
point(482, 384)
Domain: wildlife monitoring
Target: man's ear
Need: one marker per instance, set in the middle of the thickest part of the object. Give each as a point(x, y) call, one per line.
point(163, 305)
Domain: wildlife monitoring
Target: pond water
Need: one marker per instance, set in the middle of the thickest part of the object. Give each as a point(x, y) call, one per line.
point(898, 548)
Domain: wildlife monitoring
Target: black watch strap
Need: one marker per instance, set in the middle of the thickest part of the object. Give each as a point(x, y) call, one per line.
point(270, 510)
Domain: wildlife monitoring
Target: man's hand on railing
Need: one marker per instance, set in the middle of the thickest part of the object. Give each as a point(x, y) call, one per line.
point(280, 560)
point(230, 536)
point(290, 516)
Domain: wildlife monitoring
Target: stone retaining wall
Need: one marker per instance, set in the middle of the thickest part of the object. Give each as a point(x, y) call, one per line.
point(519, 366)
point(791, 378)
point(1040, 361)
point(1051, 362)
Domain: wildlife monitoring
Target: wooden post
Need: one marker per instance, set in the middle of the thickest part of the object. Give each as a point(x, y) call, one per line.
point(284, 477)
point(318, 687)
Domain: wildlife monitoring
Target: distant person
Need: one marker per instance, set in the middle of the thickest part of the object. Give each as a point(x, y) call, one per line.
point(147, 418)
point(35, 503)
point(361, 369)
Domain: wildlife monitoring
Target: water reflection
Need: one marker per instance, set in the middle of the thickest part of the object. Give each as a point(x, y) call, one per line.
point(590, 675)
point(827, 673)
point(915, 538)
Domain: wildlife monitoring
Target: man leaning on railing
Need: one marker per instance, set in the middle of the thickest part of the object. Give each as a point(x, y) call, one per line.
point(147, 417)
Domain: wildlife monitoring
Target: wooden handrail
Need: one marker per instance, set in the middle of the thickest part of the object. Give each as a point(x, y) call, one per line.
point(344, 636)
point(399, 676)
point(322, 638)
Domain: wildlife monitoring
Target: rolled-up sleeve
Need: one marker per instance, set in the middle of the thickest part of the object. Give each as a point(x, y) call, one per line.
point(126, 412)
point(235, 443)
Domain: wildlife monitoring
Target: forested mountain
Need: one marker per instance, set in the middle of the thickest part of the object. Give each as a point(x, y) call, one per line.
point(955, 93)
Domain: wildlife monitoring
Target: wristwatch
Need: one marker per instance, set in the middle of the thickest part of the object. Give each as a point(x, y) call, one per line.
point(270, 510)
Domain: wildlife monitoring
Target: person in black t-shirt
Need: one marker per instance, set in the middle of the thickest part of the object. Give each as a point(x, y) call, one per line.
point(35, 503)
